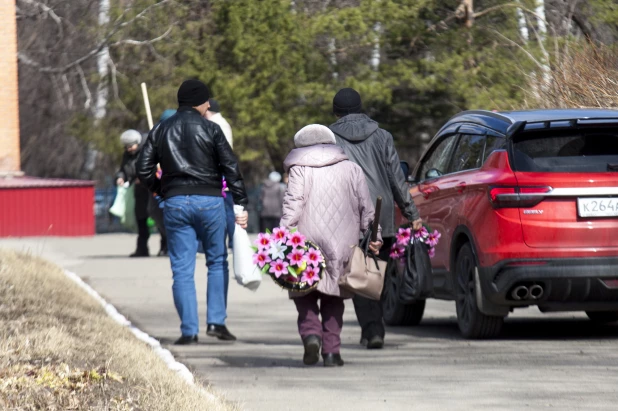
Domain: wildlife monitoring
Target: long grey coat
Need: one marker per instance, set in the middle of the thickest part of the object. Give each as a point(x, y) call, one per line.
point(328, 200)
point(372, 148)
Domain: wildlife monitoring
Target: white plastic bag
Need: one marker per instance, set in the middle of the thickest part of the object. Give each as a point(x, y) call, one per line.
point(119, 206)
point(124, 206)
point(246, 273)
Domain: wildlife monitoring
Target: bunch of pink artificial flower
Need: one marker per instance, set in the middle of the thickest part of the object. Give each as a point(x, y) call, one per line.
point(406, 236)
point(291, 260)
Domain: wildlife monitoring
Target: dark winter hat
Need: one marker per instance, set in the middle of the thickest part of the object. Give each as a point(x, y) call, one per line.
point(193, 93)
point(214, 106)
point(347, 101)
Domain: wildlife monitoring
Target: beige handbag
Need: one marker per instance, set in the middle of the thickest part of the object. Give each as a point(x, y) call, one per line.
point(364, 275)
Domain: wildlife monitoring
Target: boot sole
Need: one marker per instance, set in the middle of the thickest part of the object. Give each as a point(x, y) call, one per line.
point(312, 353)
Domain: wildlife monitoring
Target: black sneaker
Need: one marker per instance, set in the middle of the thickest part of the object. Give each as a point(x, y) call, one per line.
point(220, 331)
point(333, 360)
point(186, 340)
point(312, 344)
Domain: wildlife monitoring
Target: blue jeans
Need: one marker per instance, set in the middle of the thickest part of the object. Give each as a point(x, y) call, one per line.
point(230, 222)
point(188, 217)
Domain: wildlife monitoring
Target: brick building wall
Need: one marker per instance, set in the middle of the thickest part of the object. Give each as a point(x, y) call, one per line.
point(9, 104)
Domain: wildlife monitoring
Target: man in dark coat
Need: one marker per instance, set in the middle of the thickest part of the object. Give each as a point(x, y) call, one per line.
point(372, 148)
point(194, 157)
point(132, 141)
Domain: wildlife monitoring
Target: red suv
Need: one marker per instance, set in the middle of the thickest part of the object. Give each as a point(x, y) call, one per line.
point(527, 204)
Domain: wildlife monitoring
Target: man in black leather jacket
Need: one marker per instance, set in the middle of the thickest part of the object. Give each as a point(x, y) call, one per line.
point(194, 157)
point(372, 148)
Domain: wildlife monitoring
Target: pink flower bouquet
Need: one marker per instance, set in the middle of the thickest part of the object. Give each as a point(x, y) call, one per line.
point(291, 261)
point(407, 235)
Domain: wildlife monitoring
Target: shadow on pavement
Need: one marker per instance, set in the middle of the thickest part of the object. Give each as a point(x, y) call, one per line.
point(109, 257)
point(517, 329)
point(263, 362)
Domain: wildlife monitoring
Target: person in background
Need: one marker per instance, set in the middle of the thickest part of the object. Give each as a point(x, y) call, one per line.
point(372, 148)
point(155, 206)
point(271, 202)
point(327, 199)
point(194, 157)
point(132, 141)
point(214, 114)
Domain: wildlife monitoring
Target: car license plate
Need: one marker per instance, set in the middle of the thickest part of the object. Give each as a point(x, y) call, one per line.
point(597, 207)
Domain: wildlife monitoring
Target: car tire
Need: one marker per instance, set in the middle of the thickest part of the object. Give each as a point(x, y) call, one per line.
point(394, 311)
point(603, 317)
point(473, 324)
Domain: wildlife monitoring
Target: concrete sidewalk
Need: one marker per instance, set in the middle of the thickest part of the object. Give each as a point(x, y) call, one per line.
point(560, 362)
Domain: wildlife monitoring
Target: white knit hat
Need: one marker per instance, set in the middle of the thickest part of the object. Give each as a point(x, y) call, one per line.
point(314, 134)
point(274, 177)
point(130, 137)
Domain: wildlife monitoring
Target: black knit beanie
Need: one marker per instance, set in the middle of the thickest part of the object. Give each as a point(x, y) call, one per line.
point(347, 101)
point(193, 93)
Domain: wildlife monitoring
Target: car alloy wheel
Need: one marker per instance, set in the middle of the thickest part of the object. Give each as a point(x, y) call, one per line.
point(472, 323)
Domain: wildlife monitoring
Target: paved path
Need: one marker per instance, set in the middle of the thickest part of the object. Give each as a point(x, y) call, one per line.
point(558, 362)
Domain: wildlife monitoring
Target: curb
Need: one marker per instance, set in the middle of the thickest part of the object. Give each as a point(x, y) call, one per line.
point(161, 352)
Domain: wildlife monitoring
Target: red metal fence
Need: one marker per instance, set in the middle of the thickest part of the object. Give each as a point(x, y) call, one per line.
point(44, 207)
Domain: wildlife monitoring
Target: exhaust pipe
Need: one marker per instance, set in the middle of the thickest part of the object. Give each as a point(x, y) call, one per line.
point(520, 293)
point(536, 292)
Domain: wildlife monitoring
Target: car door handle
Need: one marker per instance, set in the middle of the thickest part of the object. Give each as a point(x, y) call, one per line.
point(461, 187)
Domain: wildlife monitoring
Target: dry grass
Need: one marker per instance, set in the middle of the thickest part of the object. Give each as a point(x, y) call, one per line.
point(60, 351)
point(584, 77)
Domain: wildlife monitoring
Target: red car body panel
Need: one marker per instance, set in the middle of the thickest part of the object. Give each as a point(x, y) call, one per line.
point(462, 199)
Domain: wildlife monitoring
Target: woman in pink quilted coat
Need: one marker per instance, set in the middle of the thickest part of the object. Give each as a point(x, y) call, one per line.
point(328, 200)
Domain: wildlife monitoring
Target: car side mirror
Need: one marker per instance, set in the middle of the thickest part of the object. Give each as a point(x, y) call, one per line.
point(433, 173)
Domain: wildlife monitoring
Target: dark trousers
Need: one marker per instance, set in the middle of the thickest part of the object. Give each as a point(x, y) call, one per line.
point(143, 234)
point(329, 329)
point(142, 197)
point(369, 312)
point(230, 219)
point(156, 214)
point(269, 223)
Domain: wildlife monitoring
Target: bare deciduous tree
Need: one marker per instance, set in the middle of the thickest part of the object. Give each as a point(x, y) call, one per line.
point(65, 69)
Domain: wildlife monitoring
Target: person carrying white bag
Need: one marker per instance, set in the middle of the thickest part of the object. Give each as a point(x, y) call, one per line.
point(246, 272)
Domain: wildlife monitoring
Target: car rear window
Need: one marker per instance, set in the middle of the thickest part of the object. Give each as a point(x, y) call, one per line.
point(567, 152)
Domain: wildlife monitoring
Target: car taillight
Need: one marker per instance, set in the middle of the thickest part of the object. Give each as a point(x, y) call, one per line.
point(515, 197)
